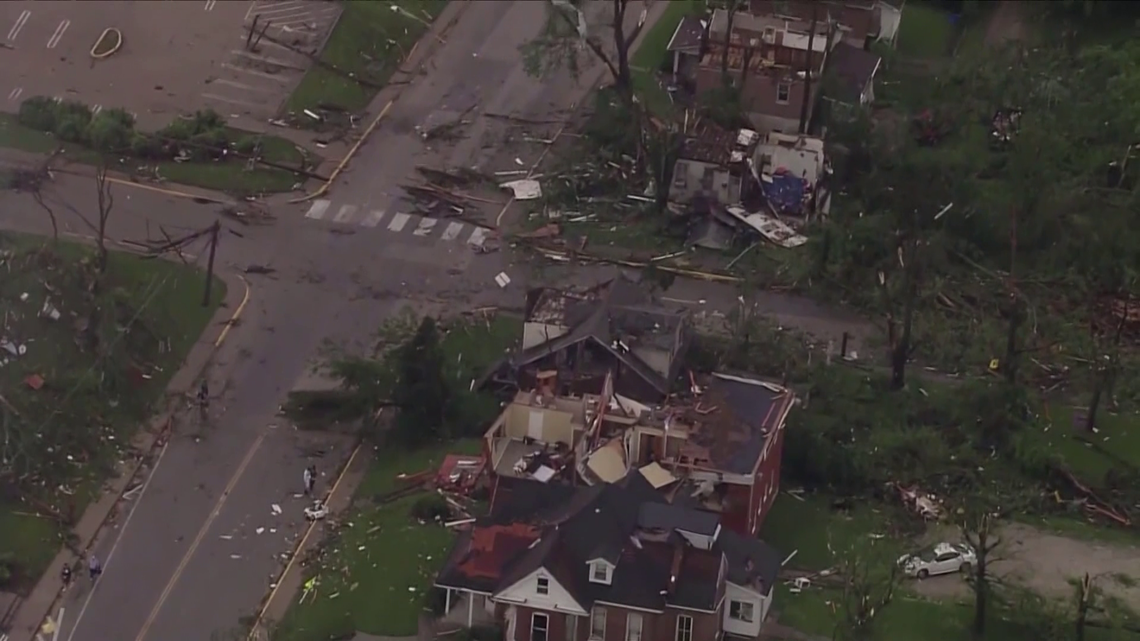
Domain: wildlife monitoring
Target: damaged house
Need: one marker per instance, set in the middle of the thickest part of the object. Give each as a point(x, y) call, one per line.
point(769, 60)
point(613, 562)
point(713, 163)
point(616, 327)
point(722, 448)
point(859, 22)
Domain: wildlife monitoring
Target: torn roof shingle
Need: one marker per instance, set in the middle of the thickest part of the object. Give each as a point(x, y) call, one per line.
point(752, 563)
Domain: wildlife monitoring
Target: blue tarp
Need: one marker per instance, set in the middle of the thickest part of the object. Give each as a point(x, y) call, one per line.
point(785, 193)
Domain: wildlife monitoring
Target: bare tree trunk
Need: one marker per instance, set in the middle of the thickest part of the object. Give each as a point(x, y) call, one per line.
point(106, 202)
point(624, 78)
point(749, 52)
point(1084, 596)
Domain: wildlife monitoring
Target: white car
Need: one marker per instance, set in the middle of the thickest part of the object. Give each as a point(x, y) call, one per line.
point(944, 558)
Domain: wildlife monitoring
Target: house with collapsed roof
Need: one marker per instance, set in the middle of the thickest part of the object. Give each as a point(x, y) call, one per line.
point(718, 448)
point(859, 22)
point(612, 562)
point(616, 328)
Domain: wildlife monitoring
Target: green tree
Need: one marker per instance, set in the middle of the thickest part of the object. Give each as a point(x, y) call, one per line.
point(422, 393)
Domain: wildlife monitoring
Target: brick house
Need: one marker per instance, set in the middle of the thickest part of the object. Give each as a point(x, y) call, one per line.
point(612, 562)
point(858, 21)
point(769, 59)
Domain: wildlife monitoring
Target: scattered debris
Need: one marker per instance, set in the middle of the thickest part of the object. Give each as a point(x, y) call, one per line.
point(526, 189)
point(502, 279)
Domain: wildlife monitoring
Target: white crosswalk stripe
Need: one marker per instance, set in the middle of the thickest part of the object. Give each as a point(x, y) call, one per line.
point(477, 237)
point(318, 209)
point(398, 222)
point(421, 226)
point(452, 231)
point(373, 218)
point(345, 214)
point(425, 226)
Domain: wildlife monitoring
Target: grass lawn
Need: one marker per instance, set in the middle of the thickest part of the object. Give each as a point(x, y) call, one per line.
point(375, 575)
point(819, 534)
point(369, 41)
point(925, 31)
point(157, 313)
point(230, 177)
point(650, 54)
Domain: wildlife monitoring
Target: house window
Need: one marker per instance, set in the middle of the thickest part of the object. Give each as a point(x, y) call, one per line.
point(741, 611)
point(598, 623)
point(684, 628)
point(600, 573)
point(539, 625)
point(633, 627)
point(783, 93)
point(571, 627)
point(543, 585)
point(680, 175)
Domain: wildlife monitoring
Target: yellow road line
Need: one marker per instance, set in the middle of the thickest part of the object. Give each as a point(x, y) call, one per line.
point(166, 192)
point(300, 546)
point(236, 315)
point(201, 534)
point(347, 157)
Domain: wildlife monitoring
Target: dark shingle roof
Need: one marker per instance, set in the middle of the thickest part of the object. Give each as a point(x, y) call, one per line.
point(688, 36)
point(853, 68)
point(601, 521)
point(751, 562)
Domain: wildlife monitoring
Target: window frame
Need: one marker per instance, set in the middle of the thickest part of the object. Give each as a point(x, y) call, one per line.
point(787, 87)
point(571, 627)
point(598, 566)
point(684, 632)
point(542, 586)
point(594, 613)
point(751, 611)
point(545, 627)
point(629, 619)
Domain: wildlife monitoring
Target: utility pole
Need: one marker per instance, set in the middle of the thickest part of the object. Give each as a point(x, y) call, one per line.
point(214, 230)
point(805, 107)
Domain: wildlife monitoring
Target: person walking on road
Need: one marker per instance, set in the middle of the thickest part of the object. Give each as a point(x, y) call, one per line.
point(65, 575)
point(310, 480)
point(94, 567)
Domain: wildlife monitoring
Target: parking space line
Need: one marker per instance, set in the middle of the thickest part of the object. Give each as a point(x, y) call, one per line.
point(15, 93)
point(19, 25)
point(232, 101)
point(398, 222)
point(452, 231)
point(210, 4)
point(272, 61)
point(318, 209)
point(274, 15)
point(53, 41)
point(96, 109)
point(265, 43)
point(373, 218)
point(226, 65)
point(238, 85)
point(345, 214)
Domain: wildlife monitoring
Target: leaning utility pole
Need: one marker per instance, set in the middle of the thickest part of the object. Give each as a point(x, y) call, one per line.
point(214, 229)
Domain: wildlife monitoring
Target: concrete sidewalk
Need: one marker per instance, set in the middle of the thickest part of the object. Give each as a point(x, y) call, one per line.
point(35, 609)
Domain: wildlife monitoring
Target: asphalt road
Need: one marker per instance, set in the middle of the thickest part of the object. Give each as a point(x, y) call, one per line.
point(189, 560)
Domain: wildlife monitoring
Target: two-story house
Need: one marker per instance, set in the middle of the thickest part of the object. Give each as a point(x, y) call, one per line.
point(612, 562)
point(776, 64)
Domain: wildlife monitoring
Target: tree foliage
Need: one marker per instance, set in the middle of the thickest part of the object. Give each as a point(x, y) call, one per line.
point(422, 393)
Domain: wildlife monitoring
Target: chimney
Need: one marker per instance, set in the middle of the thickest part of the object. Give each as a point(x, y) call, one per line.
point(675, 567)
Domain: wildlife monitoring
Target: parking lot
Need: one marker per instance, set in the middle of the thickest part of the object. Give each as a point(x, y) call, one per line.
point(177, 56)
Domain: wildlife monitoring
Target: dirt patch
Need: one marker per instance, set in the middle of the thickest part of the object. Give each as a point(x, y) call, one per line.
point(1046, 563)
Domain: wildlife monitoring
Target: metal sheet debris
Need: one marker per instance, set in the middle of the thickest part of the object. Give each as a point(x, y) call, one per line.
point(769, 227)
point(525, 189)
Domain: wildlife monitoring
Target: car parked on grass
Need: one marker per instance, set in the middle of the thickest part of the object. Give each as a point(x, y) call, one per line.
point(944, 558)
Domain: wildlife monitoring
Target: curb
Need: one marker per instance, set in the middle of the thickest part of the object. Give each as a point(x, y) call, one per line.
point(323, 189)
point(109, 31)
point(147, 441)
point(269, 600)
